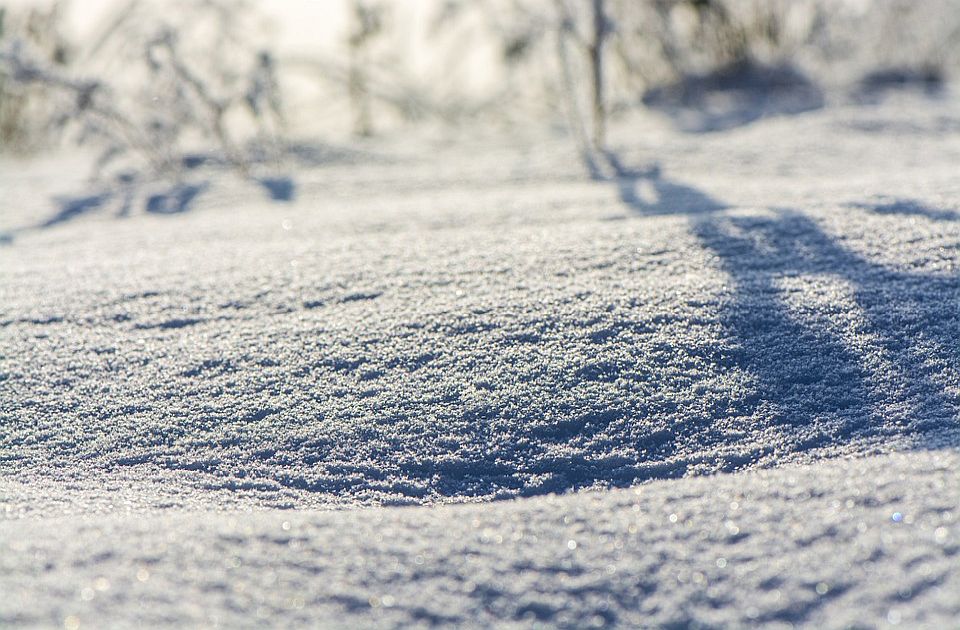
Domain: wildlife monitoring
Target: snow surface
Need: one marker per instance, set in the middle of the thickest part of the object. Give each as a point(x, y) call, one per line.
point(185, 394)
point(848, 543)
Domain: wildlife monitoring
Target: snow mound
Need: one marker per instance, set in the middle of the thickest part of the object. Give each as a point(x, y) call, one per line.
point(434, 330)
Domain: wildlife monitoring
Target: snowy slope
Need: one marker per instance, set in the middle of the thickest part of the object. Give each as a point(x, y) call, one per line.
point(434, 324)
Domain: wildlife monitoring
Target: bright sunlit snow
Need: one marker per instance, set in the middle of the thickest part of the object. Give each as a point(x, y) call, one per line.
point(184, 394)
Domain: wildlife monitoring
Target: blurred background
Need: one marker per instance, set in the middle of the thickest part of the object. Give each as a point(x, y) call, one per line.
point(154, 86)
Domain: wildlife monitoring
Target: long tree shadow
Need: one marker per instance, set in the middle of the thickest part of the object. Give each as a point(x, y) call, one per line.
point(871, 372)
point(875, 355)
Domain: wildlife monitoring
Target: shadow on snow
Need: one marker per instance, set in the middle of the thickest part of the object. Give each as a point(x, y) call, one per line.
point(861, 363)
point(734, 96)
point(129, 191)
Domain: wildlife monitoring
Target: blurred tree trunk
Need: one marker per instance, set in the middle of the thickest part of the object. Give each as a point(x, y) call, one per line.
point(367, 22)
point(596, 72)
point(588, 127)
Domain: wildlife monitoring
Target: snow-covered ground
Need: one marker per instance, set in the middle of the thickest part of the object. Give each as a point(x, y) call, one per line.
point(840, 544)
point(746, 350)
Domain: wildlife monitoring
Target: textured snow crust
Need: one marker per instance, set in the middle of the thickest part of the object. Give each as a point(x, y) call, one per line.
point(430, 325)
point(845, 543)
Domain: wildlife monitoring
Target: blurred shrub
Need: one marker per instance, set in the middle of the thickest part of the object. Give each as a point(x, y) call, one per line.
point(25, 108)
point(155, 84)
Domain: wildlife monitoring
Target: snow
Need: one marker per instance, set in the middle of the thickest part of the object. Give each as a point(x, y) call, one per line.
point(846, 543)
point(211, 416)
